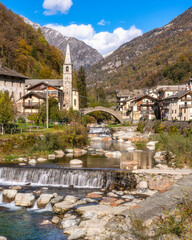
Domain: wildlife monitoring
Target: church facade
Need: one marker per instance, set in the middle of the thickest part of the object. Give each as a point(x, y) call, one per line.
point(70, 95)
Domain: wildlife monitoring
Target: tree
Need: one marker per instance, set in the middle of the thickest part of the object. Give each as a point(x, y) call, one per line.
point(54, 113)
point(6, 109)
point(82, 88)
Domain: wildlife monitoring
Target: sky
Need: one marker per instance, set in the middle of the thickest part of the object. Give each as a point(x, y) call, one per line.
point(102, 24)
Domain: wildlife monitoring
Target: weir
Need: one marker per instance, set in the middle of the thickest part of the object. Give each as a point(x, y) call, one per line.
point(61, 177)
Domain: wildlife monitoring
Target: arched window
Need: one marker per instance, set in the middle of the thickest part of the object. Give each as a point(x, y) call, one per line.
point(67, 69)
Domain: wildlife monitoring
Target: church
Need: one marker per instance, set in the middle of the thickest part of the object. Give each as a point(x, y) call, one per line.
point(61, 89)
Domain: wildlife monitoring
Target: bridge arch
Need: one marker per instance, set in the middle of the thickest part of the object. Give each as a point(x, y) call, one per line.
point(112, 112)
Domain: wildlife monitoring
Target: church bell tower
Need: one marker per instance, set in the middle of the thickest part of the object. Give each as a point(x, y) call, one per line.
point(67, 80)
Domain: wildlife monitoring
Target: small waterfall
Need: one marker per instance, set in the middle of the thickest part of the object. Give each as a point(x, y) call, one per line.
point(60, 177)
point(100, 131)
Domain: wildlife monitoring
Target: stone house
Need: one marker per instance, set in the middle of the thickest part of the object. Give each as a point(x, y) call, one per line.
point(145, 107)
point(14, 83)
point(178, 106)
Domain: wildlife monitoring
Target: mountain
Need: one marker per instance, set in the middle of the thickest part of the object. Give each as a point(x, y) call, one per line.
point(26, 50)
point(81, 53)
point(163, 55)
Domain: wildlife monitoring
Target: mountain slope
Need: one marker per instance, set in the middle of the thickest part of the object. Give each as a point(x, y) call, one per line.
point(81, 53)
point(156, 57)
point(25, 50)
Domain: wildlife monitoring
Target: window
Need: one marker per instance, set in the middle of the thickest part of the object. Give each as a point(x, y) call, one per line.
point(20, 84)
point(75, 102)
point(12, 84)
point(20, 94)
point(175, 111)
point(67, 69)
point(5, 83)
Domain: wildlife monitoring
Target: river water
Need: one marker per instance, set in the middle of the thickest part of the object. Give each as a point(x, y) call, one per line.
point(97, 172)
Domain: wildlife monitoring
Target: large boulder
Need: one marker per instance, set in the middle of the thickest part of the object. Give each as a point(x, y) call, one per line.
point(67, 223)
point(24, 200)
point(160, 184)
point(9, 195)
point(71, 199)
point(3, 238)
point(44, 199)
point(32, 161)
point(62, 207)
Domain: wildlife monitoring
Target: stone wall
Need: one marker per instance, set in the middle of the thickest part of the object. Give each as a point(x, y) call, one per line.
point(149, 125)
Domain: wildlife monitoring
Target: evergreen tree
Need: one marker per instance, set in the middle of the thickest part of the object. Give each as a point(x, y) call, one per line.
point(82, 88)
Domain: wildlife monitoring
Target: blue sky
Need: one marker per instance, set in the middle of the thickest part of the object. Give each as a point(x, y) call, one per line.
point(103, 24)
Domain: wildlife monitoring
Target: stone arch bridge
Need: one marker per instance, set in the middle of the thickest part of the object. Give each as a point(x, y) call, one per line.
point(116, 114)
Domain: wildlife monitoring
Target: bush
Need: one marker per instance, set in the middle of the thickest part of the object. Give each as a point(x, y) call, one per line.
point(173, 130)
point(158, 127)
point(141, 126)
point(21, 119)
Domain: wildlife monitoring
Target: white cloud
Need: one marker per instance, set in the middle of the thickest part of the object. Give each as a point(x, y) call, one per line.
point(103, 23)
point(56, 6)
point(104, 42)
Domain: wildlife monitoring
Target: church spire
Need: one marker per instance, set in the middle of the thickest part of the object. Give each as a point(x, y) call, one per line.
point(68, 55)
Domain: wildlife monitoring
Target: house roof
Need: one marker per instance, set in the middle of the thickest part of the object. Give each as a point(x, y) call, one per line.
point(145, 96)
point(53, 82)
point(38, 95)
point(44, 83)
point(4, 71)
point(178, 95)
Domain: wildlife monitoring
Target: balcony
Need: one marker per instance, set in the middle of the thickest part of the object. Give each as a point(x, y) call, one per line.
point(185, 106)
point(31, 105)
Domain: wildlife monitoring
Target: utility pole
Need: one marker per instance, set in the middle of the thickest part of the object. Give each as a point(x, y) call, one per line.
point(47, 107)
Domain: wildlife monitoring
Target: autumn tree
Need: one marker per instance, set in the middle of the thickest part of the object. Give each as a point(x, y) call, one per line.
point(6, 109)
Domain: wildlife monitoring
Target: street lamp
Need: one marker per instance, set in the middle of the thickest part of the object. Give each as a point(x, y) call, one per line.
point(47, 106)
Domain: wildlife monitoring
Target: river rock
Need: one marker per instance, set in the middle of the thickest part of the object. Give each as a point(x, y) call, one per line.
point(76, 162)
point(55, 220)
point(51, 156)
point(32, 162)
point(120, 193)
point(9, 195)
point(69, 150)
point(70, 155)
point(152, 143)
point(99, 150)
point(46, 222)
point(57, 199)
point(120, 140)
point(62, 207)
point(22, 164)
point(116, 154)
point(130, 149)
point(3, 238)
point(22, 159)
point(128, 197)
point(41, 159)
point(111, 194)
point(78, 233)
point(142, 185)
point(67, 223)
point(24, 200)
point(71, 199)
point(43, 200)
point(160, 184)
point(129, 165)
point(93, 195)
point(59, 153)
point(16, 187)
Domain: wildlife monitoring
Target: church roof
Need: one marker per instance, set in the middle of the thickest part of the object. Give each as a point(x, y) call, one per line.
point(68, 55)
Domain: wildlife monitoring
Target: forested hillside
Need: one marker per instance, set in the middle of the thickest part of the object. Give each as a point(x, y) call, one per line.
point(163, 55)
point(26, 50)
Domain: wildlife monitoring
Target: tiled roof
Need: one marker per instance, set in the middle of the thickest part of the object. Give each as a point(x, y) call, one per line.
point(9, 72)
point(177, 95)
